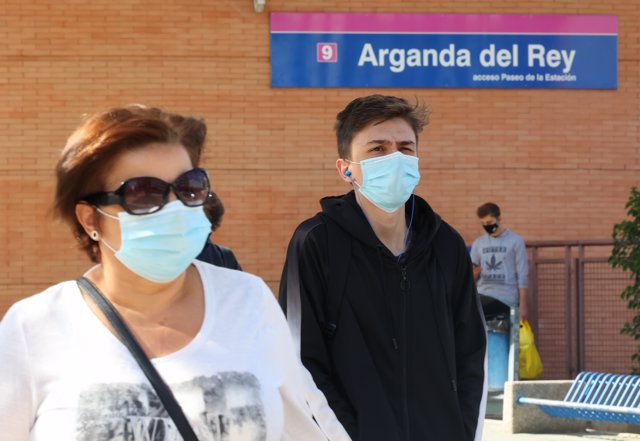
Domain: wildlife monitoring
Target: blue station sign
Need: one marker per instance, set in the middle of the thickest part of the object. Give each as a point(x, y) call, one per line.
point(444, 50)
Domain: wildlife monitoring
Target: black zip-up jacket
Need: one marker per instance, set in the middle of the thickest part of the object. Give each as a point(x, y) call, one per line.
point(219, 256)
point(406, 362)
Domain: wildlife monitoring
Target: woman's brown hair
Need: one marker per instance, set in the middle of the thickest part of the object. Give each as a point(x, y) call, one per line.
point(93, 146)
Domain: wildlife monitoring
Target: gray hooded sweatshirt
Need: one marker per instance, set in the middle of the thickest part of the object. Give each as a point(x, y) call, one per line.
point(504, 267)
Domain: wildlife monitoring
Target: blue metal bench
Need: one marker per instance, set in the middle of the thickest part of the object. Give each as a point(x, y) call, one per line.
point(596, 397)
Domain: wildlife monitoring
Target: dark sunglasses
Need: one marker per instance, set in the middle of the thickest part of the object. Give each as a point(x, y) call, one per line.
point(145, 195)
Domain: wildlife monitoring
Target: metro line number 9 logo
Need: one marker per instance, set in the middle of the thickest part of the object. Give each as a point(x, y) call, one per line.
point(327, 52)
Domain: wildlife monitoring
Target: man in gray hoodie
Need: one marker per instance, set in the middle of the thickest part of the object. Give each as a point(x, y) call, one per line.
point(500, 265)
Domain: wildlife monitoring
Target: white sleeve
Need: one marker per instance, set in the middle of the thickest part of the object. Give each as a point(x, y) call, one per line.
point(323, 414)
point(307, 415)
point(17, 413)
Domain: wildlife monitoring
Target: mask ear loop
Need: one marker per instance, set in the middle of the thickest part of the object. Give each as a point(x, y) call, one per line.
point(101, 239)
point(104, 213)
point(356, 187)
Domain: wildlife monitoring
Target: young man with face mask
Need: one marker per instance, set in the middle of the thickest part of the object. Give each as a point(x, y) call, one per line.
point(379, 291)
point(500, 265)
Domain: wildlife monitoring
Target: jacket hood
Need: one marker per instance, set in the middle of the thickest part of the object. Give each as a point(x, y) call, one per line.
point(346, 212)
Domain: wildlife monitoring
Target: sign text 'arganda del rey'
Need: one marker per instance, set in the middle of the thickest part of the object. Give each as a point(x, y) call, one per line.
point(443, 50)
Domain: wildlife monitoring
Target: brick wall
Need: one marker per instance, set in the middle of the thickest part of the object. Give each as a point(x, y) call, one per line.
point(560, 162)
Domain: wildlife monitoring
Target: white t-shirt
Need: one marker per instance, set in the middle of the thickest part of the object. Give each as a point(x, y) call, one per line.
point(65, 376)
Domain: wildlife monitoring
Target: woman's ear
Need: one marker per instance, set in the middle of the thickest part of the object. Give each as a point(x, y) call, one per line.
point(86, 215)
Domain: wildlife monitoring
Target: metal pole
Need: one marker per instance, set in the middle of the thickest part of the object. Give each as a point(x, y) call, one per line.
point(567, 313)
point(580, 300)
point(514, 344)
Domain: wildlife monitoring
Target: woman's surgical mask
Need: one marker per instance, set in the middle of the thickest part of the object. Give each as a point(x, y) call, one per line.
point(161, 245)
point(388, 181)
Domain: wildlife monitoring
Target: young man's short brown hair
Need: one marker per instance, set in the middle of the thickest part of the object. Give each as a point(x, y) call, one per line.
point(375, 108)
point(488, 209)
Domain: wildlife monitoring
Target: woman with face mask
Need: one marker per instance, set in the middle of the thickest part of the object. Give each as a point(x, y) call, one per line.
point(150, 343)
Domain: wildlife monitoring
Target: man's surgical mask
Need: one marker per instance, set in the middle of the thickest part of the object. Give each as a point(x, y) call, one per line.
point(388, 181)
point(161, 245)
point(491, 228)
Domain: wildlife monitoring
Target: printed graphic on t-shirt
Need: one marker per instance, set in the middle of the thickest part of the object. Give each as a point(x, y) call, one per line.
point(493, 268)
point(228, 407)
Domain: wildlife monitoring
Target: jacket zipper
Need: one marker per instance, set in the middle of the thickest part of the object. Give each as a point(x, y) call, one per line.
point(405, 285)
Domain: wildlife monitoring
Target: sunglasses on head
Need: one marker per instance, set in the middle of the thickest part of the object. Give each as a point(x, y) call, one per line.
point(145, 195)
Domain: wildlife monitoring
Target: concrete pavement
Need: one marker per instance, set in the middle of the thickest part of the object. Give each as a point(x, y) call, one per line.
point(495, 430)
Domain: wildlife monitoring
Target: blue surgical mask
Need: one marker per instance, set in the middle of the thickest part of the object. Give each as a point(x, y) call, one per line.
point(388, 181)
point(160, 246)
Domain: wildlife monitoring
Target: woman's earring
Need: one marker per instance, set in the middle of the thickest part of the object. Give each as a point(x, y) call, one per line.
point(95, 235)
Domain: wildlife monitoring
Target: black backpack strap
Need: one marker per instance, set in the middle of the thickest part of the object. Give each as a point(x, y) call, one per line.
point(293, 305)
point(339, 254)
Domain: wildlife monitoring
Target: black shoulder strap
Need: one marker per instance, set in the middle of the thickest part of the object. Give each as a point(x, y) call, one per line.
point(293, 308)
point(339, 254)
point(162, 390)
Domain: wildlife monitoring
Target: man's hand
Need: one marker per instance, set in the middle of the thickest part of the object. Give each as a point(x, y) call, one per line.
point(476, 271)
point(523, 303)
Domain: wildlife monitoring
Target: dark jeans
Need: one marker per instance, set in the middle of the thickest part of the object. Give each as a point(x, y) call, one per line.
point(493, 308)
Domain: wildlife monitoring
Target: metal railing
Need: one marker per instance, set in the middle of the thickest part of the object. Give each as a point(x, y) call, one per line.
point(574, 297)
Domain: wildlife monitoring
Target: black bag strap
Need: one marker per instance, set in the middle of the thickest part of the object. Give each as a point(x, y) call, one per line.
point(293, 305)
point(162, 390)
point(339, 249)
point(339, 255)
